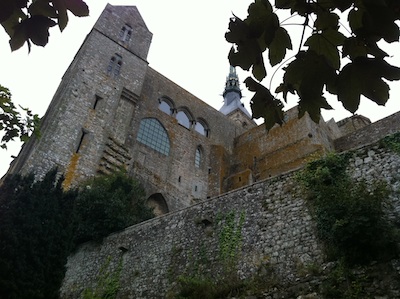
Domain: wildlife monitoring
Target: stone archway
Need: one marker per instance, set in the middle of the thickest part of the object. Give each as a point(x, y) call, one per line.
point(157, 202)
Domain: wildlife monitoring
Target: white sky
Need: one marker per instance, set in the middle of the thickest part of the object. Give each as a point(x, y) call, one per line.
point(188, 47)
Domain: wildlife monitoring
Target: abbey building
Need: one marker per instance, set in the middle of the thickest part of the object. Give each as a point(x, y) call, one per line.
point(113, 111)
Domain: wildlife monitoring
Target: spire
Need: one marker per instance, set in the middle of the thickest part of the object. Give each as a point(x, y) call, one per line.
point(232, 82)
point(232, 94)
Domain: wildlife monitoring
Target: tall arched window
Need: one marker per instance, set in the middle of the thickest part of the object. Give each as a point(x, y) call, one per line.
point(153, 134)
point(198, 157)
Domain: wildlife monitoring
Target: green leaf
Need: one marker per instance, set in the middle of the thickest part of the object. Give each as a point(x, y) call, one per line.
point(38, 29)
point(61, 8)
point(78, 7)
point(278, 46)
point(19, 37)
point(326, 20)
point(43, 8)
point(364, 76)
point(325, 44)
point(307, 76)
point(264, 105)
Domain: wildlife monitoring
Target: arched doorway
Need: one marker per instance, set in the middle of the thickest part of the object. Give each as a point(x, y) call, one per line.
point(158, 204)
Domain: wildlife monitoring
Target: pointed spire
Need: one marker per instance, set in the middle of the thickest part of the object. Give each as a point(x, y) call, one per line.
point(232, 94)
point(232, 82)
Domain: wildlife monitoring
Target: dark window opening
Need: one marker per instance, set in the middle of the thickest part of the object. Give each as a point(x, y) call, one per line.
point(125, 33)
point(114, 66)
point(179, 179)
point(96, 101)
point(80, 141)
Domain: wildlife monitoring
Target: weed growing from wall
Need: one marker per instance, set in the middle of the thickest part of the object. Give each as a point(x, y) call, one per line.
point(392, 142)
point(107, 282)
point(349, 215)
point(230, 237)
point(223, 284)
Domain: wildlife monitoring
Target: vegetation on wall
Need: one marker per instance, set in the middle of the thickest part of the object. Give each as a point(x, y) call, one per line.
point(392, 142)
point(107, 284)
point(40, 225)
point(349, 215)
point(197, 283)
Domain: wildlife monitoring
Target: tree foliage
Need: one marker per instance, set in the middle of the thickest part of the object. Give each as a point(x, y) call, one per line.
point(41, 224)
point(12, 122)
point(109, 203)
point(35, 236)
point(29, 21)
point(341, 58)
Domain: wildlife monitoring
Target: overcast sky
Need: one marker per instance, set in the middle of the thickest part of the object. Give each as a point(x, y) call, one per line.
point(188, 47)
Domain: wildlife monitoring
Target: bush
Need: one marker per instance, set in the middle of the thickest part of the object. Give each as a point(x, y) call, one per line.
point(349, 215)
point(106, 204)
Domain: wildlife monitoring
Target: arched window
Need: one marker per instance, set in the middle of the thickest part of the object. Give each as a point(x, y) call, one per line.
point(183, 119)
point(125, 33)
point(166, 106)
point(114, 66)
point(152, 133)
point(198, 157)
point(201, 127)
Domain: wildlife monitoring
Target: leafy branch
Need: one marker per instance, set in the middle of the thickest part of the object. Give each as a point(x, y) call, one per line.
point(29, 21)
point(318, 64)
point(12, 122)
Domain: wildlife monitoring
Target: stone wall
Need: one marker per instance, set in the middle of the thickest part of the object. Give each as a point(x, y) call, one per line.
point(270, 217)
point(369, 134)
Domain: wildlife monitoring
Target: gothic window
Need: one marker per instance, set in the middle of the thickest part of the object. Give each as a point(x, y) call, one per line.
point(183, 119)
point(153, 134)
point(197, 157)
point(114, 66)
point(125, 33)
point(201, 128)
point(166, 106)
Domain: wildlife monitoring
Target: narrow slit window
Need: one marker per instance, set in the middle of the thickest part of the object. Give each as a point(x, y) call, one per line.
point(197, 158)
point(79, 147)
point(97, 99)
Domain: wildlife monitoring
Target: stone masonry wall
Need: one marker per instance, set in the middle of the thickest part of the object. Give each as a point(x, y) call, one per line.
point(273, 221)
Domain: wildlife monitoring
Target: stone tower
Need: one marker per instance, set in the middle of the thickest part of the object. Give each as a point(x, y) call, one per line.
point(95, 100)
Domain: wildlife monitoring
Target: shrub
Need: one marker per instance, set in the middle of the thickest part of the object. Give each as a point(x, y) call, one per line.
point(349, 215)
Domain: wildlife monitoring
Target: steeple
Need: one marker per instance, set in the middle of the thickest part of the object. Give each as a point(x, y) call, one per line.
point(232, 82)
point(232, 94)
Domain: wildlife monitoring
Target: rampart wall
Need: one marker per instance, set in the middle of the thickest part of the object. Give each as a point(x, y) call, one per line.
point(269, 223)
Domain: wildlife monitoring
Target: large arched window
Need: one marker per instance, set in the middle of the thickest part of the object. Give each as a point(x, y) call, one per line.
point(198, 157)
point(153, 134)
point(183, 119)
point(201, 127)
point(166, 106)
